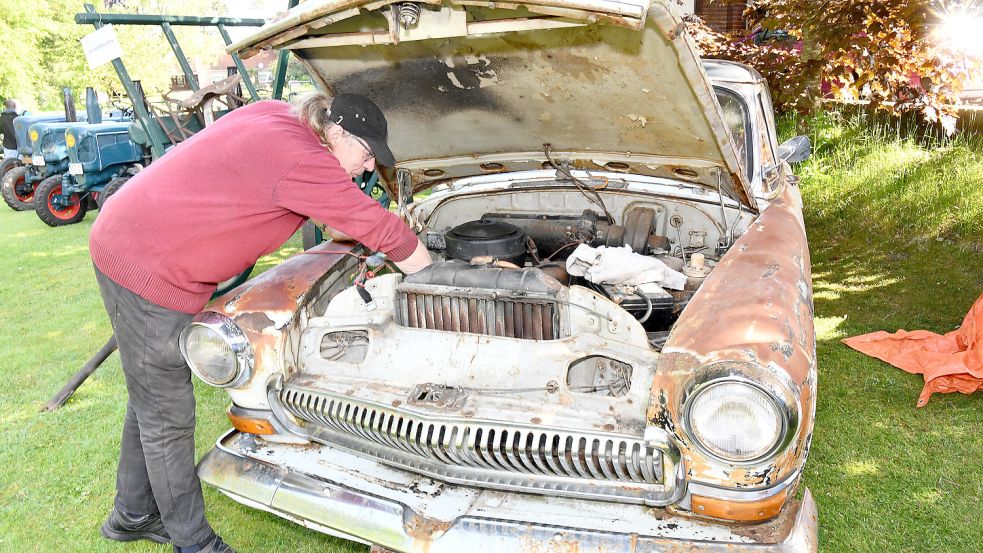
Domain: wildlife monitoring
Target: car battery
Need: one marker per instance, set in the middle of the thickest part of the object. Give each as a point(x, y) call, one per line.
point(633, 300)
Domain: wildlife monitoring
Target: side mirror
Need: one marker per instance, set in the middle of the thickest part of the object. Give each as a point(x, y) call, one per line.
point(795, 150)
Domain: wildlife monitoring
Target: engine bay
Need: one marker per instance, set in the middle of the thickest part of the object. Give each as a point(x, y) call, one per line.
point(539, 261)
point(546, 248)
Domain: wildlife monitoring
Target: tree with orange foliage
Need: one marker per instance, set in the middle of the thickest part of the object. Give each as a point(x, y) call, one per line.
point(893, 54)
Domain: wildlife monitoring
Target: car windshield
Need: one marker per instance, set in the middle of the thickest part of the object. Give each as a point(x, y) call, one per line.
point(737, 122)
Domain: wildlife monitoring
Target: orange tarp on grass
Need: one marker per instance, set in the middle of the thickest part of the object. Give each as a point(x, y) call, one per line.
point(951, 362)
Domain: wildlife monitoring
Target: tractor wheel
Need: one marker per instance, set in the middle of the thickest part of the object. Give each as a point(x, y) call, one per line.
point(52, 216)
point(19, 200)
point(113, 187)
point(7, 164)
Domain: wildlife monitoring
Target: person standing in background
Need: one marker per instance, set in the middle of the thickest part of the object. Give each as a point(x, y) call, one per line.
point(7, 128)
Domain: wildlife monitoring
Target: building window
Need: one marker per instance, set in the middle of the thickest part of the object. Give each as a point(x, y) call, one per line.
point(722, 16)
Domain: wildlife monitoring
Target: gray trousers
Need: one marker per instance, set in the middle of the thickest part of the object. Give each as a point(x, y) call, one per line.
point(157, 455)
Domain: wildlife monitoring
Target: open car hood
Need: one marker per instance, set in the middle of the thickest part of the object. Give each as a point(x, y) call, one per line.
point(479, 87)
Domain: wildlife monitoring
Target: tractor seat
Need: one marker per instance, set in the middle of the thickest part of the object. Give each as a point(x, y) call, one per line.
point(224, 87)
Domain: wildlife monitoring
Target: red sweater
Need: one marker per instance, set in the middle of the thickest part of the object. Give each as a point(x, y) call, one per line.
point(218, 201)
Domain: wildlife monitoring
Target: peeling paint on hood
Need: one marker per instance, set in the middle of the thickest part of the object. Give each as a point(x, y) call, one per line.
point(593, 82)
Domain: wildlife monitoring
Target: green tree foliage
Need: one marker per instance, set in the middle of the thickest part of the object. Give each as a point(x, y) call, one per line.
point(887, 52)
point(19, 66)
point(42, 54)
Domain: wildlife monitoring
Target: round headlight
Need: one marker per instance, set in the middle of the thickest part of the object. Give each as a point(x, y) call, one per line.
point(735, 421)
point(216, 350)
point(87, 150)
point(48, 145)
point(69, 139)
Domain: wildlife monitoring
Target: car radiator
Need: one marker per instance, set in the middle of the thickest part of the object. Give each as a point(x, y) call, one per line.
point(454, 296)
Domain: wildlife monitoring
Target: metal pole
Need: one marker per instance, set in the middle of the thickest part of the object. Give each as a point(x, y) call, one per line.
point(78, 378)
point(242, 68)
point(281, 64)
point(154, 132)
point(189, 75)
point(92, 17)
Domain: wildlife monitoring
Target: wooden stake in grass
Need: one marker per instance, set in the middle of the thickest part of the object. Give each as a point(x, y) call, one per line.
point(78, 378)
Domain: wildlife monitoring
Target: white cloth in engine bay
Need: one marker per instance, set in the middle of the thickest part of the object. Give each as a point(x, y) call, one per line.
point(621, 265)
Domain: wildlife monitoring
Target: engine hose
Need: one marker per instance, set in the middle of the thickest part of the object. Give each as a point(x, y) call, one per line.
point(599, 289)
point(648, 307)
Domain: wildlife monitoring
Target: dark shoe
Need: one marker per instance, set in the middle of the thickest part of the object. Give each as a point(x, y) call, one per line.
point(123, 527)
point(215, 545)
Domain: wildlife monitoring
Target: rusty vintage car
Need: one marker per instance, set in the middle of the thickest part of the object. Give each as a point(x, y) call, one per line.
point(515, 396)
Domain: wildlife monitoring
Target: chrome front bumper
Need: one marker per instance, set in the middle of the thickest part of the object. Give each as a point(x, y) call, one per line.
point(339, 493)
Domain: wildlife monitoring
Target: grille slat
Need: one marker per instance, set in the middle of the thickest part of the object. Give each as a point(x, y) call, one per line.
point(564, 456)
point(539, 457)
point(527, 453)
point(507, 443)
point(429, 311)
point(633, 464)
point(647, 471)
point(463, 449)
point(388, 433)
point(551, 456)
point(618, 458)
point(608, 461)
point(579, 456)
point(473, 448)
point(515, 454)
point(525, 319)
point(411, 309)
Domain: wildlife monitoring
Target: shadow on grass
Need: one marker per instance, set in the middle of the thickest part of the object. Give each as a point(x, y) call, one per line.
point(883, 472)
point(895, 223)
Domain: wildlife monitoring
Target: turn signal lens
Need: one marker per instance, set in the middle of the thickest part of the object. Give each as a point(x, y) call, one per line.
point(742, 511)
point(250, 425)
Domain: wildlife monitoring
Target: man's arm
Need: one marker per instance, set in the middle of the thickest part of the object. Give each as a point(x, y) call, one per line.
point(320, 189)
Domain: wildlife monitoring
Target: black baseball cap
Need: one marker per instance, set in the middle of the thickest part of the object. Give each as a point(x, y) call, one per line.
point(360, 116)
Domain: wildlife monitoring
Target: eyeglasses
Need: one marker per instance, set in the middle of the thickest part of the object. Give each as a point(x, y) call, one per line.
point(368, 151)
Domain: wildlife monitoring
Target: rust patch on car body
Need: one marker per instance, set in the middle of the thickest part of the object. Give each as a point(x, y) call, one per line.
point(284, 289)
point(264, 306)
point(423, 528)
point(751, 319)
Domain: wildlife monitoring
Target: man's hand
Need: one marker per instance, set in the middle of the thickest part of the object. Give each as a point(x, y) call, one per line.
point(418, 260)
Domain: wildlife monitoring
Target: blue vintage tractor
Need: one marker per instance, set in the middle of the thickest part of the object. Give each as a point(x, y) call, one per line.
point(49, 161)
point(16, 191)
point(107, 150)
point(101, 157)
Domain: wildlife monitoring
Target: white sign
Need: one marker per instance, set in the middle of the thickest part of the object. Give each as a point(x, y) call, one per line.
point(101, 46)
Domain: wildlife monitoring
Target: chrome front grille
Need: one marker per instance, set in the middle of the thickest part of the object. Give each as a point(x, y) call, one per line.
point(516, 318)
point(578, 464)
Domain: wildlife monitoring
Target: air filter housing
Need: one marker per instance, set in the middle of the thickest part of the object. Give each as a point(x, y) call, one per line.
point(485, 237)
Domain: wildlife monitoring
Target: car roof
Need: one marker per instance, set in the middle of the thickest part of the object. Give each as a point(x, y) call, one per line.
point(731, 71)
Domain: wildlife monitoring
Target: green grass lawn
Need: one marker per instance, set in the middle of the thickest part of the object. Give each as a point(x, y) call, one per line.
point(896, 230)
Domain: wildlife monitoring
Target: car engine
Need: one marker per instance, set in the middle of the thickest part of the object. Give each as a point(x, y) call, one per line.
point(508, 271)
